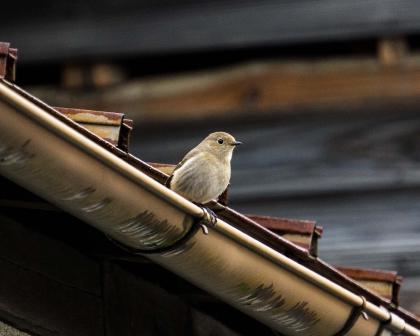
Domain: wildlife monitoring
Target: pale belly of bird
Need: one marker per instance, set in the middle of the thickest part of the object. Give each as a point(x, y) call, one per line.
point(201, 185)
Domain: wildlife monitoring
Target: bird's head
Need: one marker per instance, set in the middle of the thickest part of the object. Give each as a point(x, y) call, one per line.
point(220, 144)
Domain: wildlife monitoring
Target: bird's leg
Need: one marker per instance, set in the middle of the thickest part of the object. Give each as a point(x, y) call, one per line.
point(209, 219)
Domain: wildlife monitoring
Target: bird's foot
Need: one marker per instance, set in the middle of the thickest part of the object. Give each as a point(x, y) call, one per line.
point(209, 219)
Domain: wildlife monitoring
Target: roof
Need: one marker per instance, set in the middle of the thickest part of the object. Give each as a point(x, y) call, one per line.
point(239, 220)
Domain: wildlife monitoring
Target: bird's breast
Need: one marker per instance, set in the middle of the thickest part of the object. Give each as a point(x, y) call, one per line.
point(201, 178)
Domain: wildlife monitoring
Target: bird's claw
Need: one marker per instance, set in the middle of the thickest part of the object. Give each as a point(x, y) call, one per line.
point(209, 220)
point(204, 229)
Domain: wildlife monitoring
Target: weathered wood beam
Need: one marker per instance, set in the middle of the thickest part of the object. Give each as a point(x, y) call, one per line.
point(260, 88)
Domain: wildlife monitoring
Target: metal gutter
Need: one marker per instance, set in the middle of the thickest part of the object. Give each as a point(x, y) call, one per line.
point(50, 158)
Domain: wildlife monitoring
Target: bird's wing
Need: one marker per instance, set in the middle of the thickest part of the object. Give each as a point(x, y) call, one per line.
point(188, 156)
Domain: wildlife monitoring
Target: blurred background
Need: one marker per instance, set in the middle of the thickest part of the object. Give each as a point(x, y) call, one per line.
point(324, 94)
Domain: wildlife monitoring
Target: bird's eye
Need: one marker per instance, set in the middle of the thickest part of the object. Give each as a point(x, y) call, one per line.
point(220, 141)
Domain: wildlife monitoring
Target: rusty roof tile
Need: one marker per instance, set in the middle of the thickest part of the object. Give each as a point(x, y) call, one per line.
point(303, 233)
point(385, 283)
point(287, 225)
point(370, 274)
point(110, 126)
point(8, 58)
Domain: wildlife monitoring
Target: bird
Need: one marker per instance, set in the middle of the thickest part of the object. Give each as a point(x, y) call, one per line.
point(204, 172)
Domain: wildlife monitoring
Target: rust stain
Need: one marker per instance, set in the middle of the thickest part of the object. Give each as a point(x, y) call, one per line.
point(91, 116)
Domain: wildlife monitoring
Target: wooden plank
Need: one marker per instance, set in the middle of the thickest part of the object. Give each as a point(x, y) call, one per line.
point(263, 89)
point(23, 246)
point(136, 307)
point(54, 308)
point(203, 305)
point(161, 26)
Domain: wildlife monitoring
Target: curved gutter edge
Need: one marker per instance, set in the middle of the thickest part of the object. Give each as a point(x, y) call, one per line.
point(112, 162)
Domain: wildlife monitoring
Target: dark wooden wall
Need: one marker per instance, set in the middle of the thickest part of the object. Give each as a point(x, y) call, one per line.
point(50, 31)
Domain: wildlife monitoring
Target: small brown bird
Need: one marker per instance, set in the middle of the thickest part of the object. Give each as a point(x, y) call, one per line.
point(204, 173)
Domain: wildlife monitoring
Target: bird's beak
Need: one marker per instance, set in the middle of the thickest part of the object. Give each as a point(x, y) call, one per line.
point(237, 143)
